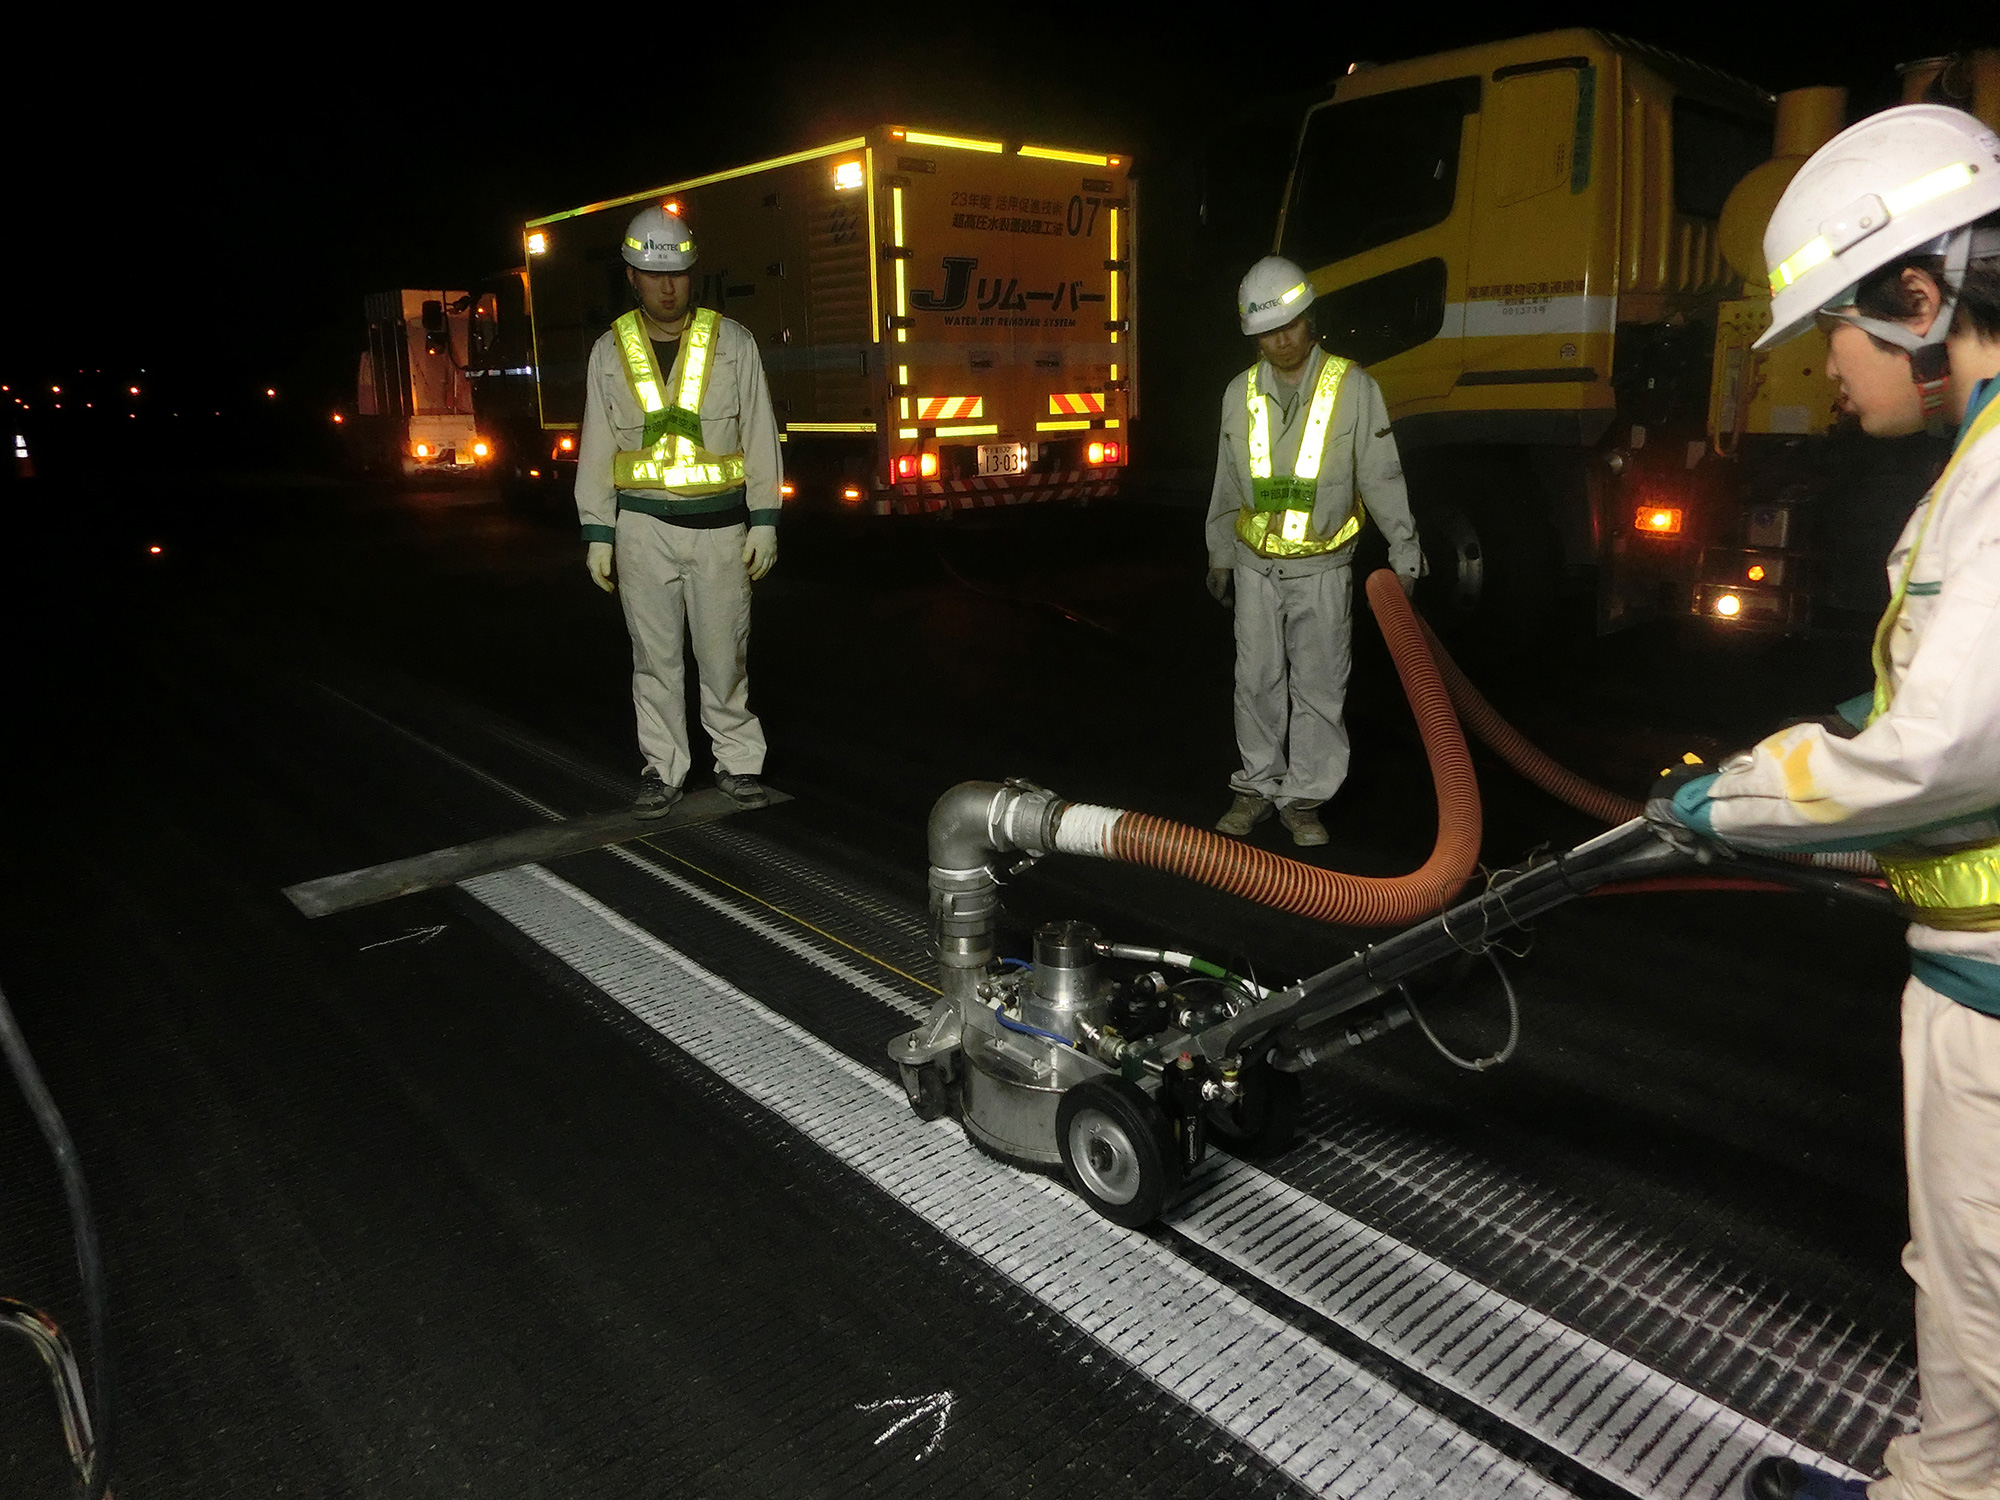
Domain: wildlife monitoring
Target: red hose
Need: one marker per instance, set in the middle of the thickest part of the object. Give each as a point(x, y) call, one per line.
point(1507, 742)
point(1310, 890)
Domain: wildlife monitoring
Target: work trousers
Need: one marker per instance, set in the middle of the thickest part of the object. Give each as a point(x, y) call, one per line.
point(677, 583)
point(1951, 1108)
point(1294, 639)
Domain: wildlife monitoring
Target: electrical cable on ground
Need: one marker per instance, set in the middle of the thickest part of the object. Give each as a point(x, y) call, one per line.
point(89, 1259)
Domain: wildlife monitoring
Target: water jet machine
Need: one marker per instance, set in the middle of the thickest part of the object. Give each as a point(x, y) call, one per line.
point(1123, 1064)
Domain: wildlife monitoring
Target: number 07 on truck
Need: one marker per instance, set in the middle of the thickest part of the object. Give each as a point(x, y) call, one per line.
point(946, 321)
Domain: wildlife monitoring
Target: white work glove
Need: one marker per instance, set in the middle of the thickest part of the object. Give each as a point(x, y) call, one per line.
point(1220, 582)
point(760, 550)
point(597, 558)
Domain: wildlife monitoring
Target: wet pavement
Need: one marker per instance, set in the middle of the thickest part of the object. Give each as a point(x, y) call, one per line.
point(589, 1177)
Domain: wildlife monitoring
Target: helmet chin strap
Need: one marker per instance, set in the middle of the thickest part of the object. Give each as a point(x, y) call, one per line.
point(1930, 359)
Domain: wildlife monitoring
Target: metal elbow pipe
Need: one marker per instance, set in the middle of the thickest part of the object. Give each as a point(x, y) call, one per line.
point(970, 824)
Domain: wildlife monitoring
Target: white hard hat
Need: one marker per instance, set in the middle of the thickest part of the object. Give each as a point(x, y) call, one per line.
point(1275, 292)
point(1903, 182)
point(656, 240)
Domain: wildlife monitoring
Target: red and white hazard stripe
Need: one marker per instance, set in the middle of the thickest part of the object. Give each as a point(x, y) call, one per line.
point(950, 408)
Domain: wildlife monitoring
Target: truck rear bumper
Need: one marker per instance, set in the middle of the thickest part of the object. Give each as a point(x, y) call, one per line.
point(923, 496)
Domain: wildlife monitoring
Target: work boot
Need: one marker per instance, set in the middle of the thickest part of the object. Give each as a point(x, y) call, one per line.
point(1245, 813)
point(656, 799)
point(1304, 825)
point(744, 790)
point(1783, 1479)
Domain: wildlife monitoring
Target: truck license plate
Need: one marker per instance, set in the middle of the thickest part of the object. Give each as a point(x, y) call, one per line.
point(1002, 458)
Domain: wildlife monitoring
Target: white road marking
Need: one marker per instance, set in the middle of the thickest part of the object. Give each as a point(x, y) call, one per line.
point(914, 1409)
point(1584, 1388)
point(1333, 1427)
point(421, 935)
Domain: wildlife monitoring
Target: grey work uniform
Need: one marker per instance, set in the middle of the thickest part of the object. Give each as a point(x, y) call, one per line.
point(680, 560)
point(1294, 615)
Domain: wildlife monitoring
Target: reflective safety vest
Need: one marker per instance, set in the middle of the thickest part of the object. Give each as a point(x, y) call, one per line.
point(1278, 520)
point(673, 458)
point(1959, 890)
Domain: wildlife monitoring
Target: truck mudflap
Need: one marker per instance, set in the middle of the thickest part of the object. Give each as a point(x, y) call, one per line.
point(924, 496)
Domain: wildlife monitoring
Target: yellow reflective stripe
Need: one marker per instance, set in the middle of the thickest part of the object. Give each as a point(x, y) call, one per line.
point(1970, 877)
point(1790, 270)
point(1931, 185)
point(1260, 430)
point(1987, 421)
point(1293, 295)
point(637, 350)
point(1313, 444)
point(1817, 251)
point(695, 344)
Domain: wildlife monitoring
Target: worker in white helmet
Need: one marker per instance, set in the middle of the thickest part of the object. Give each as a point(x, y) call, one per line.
point(1889, 236)
point(677, 483)
point(1306, 455)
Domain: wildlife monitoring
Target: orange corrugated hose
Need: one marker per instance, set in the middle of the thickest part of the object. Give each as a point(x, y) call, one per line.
point(1507, 742)
point(1309, 890)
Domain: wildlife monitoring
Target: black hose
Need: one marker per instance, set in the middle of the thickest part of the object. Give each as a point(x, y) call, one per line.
point(89, 1261)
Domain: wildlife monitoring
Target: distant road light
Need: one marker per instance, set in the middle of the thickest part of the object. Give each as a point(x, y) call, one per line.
point(135, 390)
point(269, 391)
point(154, 549)
point(337, 417)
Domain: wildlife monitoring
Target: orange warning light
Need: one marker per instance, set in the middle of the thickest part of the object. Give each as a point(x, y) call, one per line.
point(1756, 573)
point(1658, 520)
point(850, 492)
point(785, 489)
point(928, 466)
point(566, 443)
point(154, 550)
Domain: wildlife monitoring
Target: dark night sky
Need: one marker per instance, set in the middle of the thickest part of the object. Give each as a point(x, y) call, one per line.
point(220, 217)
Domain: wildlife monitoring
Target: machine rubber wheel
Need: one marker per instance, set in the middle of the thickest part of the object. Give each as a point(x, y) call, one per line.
point(1264, 1120)
point(1118, 1148)
point(928, 1093)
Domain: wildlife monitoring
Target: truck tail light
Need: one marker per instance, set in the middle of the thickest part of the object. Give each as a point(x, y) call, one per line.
point(423, 450)
point(1100, 454)
point(1659, 520)
point(480, 450)
point(906, 466)
point(927, 466)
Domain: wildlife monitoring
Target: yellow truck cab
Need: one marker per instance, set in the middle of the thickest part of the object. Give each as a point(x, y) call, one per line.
point(1520, 241)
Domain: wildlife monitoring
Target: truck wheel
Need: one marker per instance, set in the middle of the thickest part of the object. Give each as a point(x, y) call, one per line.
point(1118, 1149)
point(1494, 566)
point(1266, 1117)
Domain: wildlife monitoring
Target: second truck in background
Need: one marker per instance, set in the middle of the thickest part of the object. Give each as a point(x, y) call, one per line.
point(946, 321)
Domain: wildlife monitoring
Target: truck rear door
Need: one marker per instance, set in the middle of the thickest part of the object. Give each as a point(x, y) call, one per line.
point(1007, 275)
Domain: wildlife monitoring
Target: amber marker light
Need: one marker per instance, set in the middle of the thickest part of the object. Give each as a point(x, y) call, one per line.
point(566, 444)
point(479, 450)
point(927, 466)
point(338, 419)
point(1756, 573)
point(850, 492)
point(785, 488)
point(1658, 520)
point(154, 550)
point(538, 243)
point(1728, 606)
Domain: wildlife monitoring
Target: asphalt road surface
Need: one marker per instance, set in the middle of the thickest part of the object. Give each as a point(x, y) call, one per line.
point(589, 1177)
